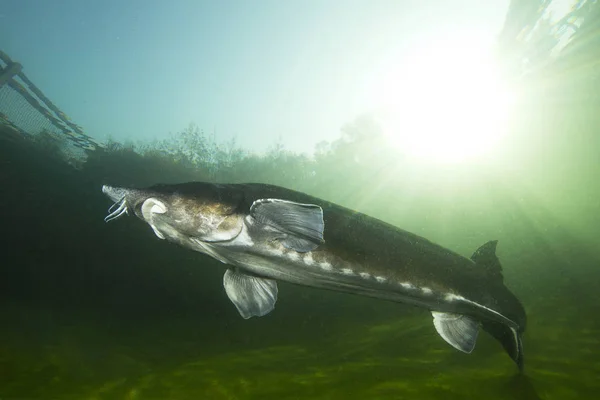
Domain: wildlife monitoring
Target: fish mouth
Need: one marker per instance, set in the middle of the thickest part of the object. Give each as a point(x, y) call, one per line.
point(120, 203)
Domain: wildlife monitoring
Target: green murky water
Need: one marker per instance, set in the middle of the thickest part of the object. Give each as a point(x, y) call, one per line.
point(390, 358)
point(90, 310)
point(105, 311)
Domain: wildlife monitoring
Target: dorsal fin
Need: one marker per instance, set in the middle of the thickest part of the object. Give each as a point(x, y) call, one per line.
point(486, 257)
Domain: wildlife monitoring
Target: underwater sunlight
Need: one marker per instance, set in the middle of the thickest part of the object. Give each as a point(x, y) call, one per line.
point(444, 102)
point(324, 200)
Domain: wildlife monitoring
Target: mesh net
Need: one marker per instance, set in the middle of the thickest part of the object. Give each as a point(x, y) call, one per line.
point(25, 109)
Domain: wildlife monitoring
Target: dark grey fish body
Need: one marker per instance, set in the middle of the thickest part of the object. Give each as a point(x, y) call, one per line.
point(268, 233)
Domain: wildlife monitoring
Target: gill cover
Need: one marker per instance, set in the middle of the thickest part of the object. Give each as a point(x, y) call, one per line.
point(182, 217)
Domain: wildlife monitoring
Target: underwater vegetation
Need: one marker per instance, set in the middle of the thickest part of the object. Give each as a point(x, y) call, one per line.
point(96, 311)
point(92, 311)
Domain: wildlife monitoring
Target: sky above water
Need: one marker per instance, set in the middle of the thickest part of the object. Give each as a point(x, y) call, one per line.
point(260, 71)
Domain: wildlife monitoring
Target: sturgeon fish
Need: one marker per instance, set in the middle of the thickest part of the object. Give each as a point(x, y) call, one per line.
point(266, 233)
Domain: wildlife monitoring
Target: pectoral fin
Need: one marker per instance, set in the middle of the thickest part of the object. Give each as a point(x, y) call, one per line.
point(301, 225)
point(458, 330)
point(253, 296)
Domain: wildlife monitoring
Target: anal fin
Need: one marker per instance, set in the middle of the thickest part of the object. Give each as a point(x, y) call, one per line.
point(460, 331)
point(253, 296)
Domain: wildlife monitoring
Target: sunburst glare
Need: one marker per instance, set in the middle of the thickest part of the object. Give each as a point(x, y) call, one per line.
point(444, 101)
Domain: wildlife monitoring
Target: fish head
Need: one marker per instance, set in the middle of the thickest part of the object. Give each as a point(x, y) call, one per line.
point(199, 211)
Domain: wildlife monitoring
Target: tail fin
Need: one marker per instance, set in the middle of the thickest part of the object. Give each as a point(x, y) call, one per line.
point(510, 339)
point(508, 335)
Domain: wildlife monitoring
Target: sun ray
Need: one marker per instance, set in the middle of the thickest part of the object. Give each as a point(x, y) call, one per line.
point(444, 101)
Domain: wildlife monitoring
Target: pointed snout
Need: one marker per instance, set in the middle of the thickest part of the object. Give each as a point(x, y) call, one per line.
point(115, 193)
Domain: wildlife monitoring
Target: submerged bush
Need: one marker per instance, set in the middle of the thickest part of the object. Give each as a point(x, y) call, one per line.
point(346, 165)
